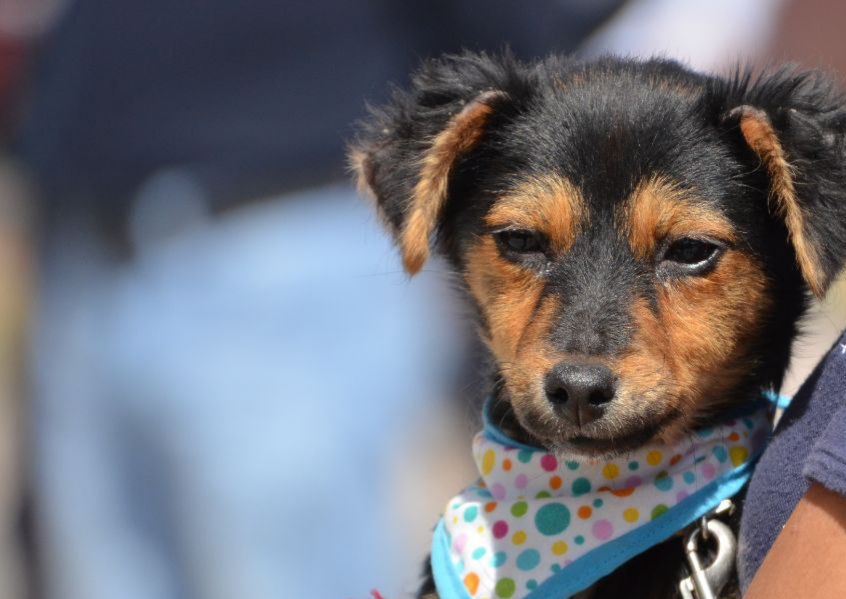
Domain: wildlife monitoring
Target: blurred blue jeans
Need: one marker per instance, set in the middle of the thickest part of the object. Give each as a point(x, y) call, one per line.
point(214, 419)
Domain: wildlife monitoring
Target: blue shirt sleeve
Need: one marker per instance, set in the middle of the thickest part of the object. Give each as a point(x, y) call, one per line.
point(809, 445)
point(826, 463)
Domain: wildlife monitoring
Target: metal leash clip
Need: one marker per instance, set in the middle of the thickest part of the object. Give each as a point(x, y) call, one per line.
point(707, 582)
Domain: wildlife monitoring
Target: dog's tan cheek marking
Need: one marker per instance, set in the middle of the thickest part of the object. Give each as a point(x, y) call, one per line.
point(461, 134)
point(658, 209)
point(693, 349)
point(645, 368)
point(641, 365)
point(758, 131)
point(506, 294)
point(535, 356)
point(549, 204)
point(518, 318)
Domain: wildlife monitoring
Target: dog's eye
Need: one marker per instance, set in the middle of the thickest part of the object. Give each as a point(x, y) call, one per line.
point(520, 241)
point(690, 251)
point(691, 256)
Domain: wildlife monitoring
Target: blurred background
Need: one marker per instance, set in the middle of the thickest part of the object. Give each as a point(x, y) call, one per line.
point(215, 380)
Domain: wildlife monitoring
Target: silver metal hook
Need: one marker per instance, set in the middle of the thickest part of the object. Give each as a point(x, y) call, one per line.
point(707, 582)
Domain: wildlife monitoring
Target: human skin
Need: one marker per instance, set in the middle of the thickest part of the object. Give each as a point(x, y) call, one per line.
point(808, 559)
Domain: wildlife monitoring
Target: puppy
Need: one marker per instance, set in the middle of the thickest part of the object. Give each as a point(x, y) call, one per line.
point(637, 241)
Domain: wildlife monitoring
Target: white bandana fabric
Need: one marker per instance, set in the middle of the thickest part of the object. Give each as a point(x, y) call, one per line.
point(539, 525)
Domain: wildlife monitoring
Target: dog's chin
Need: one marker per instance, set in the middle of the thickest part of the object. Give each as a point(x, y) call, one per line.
point(603, 447)
point(597, 441)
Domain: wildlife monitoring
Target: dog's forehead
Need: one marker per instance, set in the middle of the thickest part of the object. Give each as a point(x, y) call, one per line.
point(608, 132)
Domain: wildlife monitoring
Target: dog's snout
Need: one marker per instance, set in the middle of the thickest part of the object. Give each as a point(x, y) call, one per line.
point(581, 391)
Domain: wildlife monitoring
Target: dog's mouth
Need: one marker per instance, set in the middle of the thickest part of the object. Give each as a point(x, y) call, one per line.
point(600, 439)
point(615, 444)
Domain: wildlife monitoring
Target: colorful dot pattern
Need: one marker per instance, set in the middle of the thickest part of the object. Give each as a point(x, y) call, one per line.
point(533, 513)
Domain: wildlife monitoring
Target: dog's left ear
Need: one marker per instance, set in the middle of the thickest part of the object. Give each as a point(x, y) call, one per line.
point(796, 125)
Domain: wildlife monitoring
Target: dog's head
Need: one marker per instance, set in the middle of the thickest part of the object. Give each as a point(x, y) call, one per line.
point(638, 240)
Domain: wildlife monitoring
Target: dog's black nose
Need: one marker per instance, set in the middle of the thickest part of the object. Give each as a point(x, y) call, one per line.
point(581, 390)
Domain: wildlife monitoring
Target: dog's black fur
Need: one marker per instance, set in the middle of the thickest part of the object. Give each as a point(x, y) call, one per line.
point(606, 127)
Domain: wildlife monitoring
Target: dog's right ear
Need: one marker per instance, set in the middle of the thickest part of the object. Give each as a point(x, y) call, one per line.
point(407, 151)
point(795, 124)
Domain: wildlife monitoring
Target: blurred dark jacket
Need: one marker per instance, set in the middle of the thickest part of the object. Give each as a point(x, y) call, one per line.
point(250, 96)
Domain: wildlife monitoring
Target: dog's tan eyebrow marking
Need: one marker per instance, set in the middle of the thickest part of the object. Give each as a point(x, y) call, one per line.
point(658, 209)
point(550, 204)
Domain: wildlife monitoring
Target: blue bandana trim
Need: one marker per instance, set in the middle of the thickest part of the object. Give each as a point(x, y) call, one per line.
point(604, 559)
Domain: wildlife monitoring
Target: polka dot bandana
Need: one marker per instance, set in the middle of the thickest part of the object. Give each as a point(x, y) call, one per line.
point(540, 525)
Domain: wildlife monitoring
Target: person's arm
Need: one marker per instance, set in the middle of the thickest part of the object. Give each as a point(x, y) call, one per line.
point(808, 559)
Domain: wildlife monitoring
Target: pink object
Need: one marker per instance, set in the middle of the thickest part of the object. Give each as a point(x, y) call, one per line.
point(633, 482)
point(602, 530)
point(500, 529)
point(549, 463)
point(459, 542)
